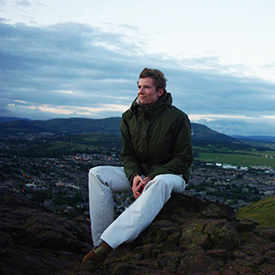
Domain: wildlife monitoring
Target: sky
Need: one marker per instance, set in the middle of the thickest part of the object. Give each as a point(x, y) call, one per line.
point(62, 59)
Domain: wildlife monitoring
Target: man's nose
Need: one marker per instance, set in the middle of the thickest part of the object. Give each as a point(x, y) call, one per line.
point(140, 90)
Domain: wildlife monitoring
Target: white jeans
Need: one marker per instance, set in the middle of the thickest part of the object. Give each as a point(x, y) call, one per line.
point(103, 181)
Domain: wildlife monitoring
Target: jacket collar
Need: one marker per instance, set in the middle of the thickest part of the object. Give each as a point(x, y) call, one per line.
point(162, 103)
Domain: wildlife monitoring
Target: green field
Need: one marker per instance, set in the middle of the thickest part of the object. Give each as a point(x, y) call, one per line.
point(235, 157)
point(262, 211)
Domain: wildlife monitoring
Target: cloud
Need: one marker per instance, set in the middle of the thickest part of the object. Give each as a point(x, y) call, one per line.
point(24, 3)
point(39, 61)
point(3, 19)
point(3, 3)
point(75, 69)
point(252, 126)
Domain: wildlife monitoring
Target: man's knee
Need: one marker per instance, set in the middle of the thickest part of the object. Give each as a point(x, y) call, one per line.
point(159, 180)
point(96, 175)
point(162, 179)
point(170, 181)
point(169, 178)
point(96, 171)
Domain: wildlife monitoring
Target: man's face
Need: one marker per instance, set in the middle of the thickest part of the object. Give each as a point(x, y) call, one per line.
point(147, 91)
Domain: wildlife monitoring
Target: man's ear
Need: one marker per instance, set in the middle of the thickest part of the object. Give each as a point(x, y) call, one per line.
point(160, 91)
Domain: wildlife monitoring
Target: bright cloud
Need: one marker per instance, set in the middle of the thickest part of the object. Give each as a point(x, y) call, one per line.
point(20, 107)
point(209, 117)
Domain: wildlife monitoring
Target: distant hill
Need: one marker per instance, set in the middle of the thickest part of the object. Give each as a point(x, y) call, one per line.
point(202, 132)
point(262, 211)
point(255, 138)
point(106, 126)
point(9, 119)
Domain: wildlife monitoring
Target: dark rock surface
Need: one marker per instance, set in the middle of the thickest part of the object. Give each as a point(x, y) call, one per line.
point(35, 241)
point(189, 236)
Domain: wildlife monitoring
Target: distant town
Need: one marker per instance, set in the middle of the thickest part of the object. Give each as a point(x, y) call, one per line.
point(60, 184)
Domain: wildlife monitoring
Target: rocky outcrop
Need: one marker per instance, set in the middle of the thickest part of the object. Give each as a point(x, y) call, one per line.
point(35, 241)
point(189, 236)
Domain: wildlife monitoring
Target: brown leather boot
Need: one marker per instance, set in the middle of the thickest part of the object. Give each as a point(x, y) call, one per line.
point(97, 255)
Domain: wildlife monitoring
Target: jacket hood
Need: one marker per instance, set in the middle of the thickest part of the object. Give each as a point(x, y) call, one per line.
point(162, 103)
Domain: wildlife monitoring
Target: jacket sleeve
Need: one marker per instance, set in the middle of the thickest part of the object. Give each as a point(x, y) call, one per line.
point(128, 155)
point(182, 152)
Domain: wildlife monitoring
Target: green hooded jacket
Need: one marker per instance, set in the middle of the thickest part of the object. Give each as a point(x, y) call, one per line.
point(156, 140)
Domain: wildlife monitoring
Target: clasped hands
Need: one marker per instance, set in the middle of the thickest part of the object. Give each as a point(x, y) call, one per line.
point(138, 185)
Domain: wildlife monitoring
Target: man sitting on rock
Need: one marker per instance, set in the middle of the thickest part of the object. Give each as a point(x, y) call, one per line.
point(156, 157)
